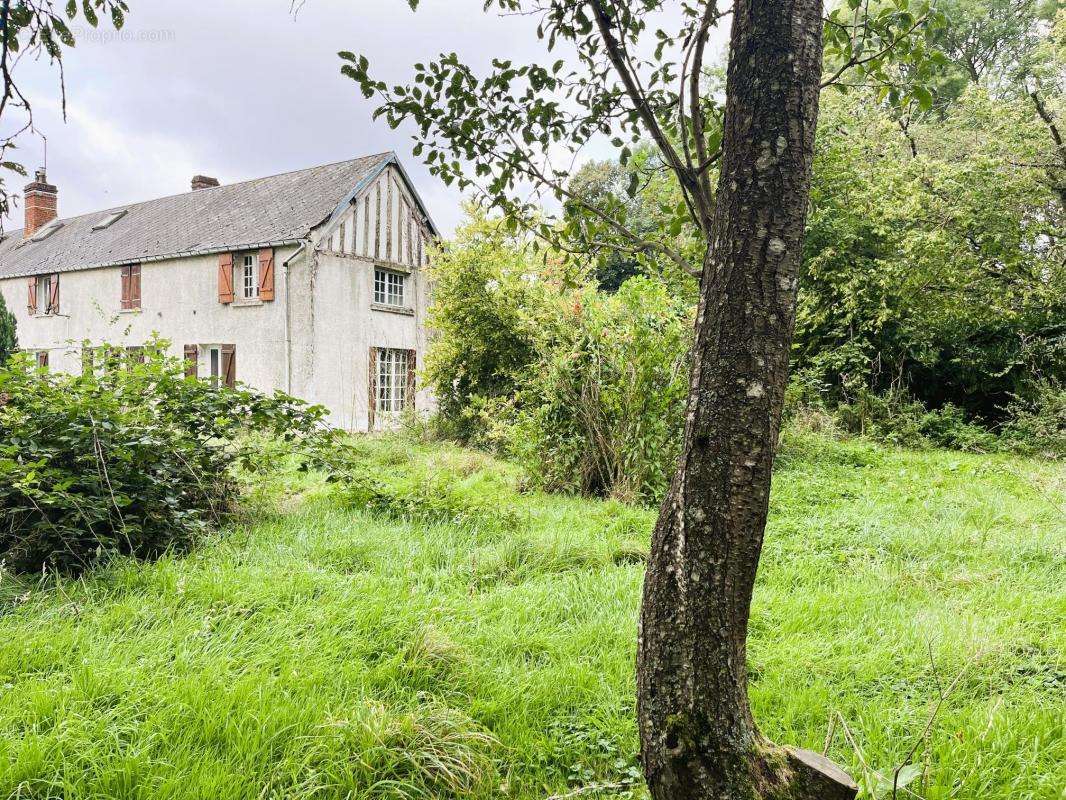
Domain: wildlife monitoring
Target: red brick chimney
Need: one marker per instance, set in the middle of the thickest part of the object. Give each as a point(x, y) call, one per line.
point(40, 200)
point(203, 182)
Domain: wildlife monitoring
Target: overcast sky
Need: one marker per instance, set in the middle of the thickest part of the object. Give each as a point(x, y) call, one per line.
point(240, 89)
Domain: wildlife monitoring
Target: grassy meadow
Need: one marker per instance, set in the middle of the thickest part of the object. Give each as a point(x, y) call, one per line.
point(470, 638)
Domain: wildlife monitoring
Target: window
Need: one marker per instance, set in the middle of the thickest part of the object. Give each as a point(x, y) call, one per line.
point(388, 287)
point(109, 220)
point(249, 276)
point(131, 287)
point(42, 360)
point(218, 365)
point(44, 295)
point(392, 377)
point(134, 355)
point(47, 230)
point(212, 364)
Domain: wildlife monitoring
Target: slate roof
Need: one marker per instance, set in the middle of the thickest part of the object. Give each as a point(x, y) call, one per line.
point(265, 211)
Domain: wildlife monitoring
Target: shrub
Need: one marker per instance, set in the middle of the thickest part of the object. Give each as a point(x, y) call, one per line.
point(482, 342)
point(602, 409)
point(1037, 422)
point(135, 461)
point(8, 341)
point(896, 418)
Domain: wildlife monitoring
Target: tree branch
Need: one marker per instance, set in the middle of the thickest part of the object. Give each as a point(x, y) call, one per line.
point(705, 196)
point(854, 62)
point(639, 100)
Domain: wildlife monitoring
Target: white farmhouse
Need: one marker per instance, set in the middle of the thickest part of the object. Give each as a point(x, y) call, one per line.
point(312, 282)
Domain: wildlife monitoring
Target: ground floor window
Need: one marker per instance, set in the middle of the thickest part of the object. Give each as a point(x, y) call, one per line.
point(215, 363)
point(42, 359)
point(100, 360)
point(393, 379)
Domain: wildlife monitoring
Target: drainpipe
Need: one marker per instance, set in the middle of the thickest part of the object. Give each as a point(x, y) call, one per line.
point(288, 319)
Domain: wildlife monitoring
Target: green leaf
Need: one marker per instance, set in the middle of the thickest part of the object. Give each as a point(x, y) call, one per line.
point(924, 98)
point(907, 775)
point(634, 182)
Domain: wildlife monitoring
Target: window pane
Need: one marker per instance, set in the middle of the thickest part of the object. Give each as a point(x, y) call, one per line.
point(214, 366)
point(380, 295)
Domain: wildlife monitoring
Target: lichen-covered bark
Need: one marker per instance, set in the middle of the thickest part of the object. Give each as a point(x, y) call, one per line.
point(697, 733)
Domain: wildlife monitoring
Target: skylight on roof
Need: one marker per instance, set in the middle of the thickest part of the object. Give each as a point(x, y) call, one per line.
point(47, 231)
point(110, 219)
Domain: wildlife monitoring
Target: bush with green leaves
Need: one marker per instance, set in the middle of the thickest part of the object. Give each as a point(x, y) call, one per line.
point(585, 388)
point(482, 302)
point(1036, 421)
point(8, 341)
point(602, 408)
point(135, 461)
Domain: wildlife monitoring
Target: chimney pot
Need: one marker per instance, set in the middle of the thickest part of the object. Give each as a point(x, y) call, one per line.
point(203, 182)
point(39, 199)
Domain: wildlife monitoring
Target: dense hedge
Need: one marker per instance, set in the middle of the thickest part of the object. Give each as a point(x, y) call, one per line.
point(135, 461)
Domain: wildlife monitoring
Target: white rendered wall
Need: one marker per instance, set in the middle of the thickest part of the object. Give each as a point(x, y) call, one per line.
point(179, 302)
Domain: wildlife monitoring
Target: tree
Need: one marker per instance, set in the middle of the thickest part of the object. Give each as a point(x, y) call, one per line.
point(29, 28)
point(1014, 50)
point(943, 275)
point(652, 208)
point(8, 342)
point(698, 738)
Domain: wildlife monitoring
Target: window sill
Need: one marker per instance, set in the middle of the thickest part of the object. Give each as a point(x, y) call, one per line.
point(129, 311)
point(247, 303)
point(407, 312)
point(44, 315)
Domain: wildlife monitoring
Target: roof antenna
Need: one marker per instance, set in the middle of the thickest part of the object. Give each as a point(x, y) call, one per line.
point(44, 141)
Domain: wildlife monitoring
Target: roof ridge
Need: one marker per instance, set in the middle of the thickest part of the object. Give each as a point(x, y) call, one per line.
point(7, 234)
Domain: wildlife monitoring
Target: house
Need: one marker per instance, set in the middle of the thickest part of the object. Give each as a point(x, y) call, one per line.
point(312, 282)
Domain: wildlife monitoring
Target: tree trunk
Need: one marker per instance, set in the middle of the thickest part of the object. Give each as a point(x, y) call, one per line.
point(698, 737)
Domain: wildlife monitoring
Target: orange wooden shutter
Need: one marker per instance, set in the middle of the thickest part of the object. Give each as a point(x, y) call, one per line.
point(229, 365)
point(42, 359)
point(372, 406)
point(125, 297)
point(31, 298)
point(190, 360)
point(266, 274)
point(135, 286)
point(225, 277)
point(409, 395)
point(53, 295)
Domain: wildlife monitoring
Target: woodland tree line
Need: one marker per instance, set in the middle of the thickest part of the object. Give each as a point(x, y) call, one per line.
point(932, 301)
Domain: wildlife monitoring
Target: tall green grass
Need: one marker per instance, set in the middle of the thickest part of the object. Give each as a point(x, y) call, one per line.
point(464, 637)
